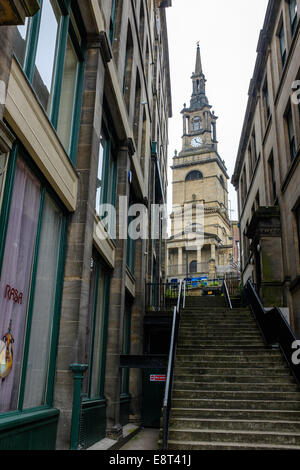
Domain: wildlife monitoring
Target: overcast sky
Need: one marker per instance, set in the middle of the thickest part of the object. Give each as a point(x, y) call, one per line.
point(228, 33)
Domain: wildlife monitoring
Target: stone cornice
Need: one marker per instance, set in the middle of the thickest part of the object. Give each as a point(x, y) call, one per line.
point(6, 138)
point(265, 222)
point(14, 12)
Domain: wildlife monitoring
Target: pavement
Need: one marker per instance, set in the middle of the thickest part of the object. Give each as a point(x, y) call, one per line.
point(146, 439)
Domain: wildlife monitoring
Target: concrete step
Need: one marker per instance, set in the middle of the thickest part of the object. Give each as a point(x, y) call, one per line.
point(236, 386)
point(201, 335)
point(226, 342)
point(235, 414)
point(216, 315)
point(194, 348)
point(224, 359)
point(234, 378)
point(230, 364)
point(245, 352)
point(188, 445)
point(236, 404)
point(249, 437)
point(232, 371)
point(214, 327)
point(217, 324)
point(278, 426)
point(236, 395)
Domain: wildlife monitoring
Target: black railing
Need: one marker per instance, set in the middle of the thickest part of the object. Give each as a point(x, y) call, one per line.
point(171, 363)
point(274, 327)
point(161, 296)
point(226, 294)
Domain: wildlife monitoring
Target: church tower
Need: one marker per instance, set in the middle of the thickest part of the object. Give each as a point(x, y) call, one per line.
point(201, 239)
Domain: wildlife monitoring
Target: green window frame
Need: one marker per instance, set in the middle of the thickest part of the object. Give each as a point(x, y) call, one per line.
point(131, 243)
point(297, 215)
point(112, 23)
point(46, 192)
point(282, 44)
point(98, 325)
point(291, 132)
point(70, 39)
point(107, 175)
point(293, 9)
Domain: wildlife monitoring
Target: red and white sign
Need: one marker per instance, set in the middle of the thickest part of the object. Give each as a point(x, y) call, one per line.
point(157, 378)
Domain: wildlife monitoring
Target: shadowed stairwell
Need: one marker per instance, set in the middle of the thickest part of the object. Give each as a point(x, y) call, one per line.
point(230, 391)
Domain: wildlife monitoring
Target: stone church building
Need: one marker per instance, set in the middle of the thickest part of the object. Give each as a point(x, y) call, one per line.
point(201, 231)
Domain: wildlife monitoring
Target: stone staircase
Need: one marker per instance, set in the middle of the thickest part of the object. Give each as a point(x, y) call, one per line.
point(230, 391)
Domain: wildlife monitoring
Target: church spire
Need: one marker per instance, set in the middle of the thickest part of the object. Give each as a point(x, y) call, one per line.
point(199, 98)
point(198, 68)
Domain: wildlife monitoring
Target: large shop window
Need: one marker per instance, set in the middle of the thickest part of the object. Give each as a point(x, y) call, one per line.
point(93, 385)
point(50, 49)
point(31, 262)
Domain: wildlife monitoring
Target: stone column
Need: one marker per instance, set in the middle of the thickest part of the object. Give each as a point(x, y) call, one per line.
point(265, 232)
point(213, 252)
point(199, 260)
point(184, 124)
point(212, 262)
point(75, 300)
point(117, 304)
point(179, 262)
point(137, 321)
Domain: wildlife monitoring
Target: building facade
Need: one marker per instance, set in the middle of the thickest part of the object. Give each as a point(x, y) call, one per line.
point(201, 232)
point(84, 105)
point(267, 171)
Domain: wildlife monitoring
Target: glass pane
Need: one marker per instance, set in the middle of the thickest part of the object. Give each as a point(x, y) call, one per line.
point(15, 281)
point(44, 305)
point(100, 174)
point(46, 53)
point(65, 119)
point(98, 337)
point(21, 42)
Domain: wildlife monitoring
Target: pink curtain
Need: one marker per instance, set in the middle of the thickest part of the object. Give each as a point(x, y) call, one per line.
point(16, 274)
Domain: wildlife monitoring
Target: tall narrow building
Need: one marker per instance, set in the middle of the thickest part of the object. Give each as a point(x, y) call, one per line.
point(201, 233)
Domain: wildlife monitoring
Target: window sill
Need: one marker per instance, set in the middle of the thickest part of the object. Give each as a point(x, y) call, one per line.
point(18, 419)
point(125, 397)
point(94, 402)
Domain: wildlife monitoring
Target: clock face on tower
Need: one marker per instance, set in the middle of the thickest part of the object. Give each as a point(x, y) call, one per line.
point(196, 142)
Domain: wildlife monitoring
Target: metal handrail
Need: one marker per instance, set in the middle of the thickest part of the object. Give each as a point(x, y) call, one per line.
point(170, 372)
point(274, 328)
point(226, 293)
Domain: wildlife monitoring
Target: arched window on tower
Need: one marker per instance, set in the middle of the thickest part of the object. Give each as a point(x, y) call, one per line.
point(194, 175)
point(193, 267)
point(197, 123)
